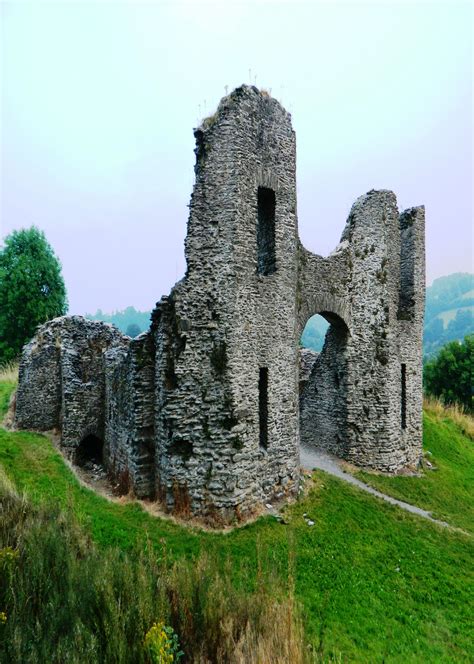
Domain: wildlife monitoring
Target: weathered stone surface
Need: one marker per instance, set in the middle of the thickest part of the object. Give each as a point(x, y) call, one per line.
point(129, 424)
point(62, 380)
point(203, 411)
point(307, 359)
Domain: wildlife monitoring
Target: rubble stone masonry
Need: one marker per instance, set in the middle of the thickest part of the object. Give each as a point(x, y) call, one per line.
point(203, 412)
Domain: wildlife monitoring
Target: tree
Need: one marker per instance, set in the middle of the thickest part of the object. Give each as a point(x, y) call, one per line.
point(32, 289)
point(449, 375)
point(132, 330)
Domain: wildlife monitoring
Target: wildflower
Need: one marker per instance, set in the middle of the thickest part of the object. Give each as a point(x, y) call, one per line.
point(8, 555)
point(162, 644)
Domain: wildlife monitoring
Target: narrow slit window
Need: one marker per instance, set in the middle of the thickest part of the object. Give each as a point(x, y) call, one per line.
point(266, 231)
point(404, 396)
point(263, 406)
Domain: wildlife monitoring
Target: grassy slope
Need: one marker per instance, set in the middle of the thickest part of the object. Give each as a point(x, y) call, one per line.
point(447, 491)
point(376, 584)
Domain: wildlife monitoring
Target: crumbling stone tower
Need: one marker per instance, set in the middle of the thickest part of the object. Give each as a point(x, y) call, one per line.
point(203, 411)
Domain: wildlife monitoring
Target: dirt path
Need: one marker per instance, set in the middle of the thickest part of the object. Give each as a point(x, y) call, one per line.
point(313, 458)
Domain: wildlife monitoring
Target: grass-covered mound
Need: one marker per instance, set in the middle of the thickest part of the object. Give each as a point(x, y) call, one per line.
point(374, 583)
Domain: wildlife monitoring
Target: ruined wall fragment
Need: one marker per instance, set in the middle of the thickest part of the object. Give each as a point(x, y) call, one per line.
point(206, 410)
point(63, 368)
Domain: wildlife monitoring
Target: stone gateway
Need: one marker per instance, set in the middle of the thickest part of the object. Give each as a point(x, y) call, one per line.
point(203, 412)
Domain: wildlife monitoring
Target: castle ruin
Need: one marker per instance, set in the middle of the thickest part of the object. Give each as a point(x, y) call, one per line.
point(202, 412)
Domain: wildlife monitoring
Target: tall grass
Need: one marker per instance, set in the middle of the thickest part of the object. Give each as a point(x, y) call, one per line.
point(9, 372)
point(66, 601)
point(8, 381)
point(455, 412)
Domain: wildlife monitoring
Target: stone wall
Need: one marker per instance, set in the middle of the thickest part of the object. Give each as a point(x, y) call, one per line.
point(232, 315)
point(365, 277)
point(62, 381)
point(129, 424)
point(203, 412)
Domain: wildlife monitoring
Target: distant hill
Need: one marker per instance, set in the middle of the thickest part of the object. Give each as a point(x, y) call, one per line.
point(448, 315)
point(125, 319)
point(449, 311)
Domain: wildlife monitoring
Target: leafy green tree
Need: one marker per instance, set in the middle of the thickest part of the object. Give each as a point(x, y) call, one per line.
point(32, 289)
point(450, 375)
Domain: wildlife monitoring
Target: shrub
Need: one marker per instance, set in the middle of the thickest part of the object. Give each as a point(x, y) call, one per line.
point(450, 375)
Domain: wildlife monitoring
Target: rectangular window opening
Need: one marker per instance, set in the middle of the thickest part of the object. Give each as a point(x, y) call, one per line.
point(266, 231)
point(404, 396)
point(406, 306)
point(263, 406)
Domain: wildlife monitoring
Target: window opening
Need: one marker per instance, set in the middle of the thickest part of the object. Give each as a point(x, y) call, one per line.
point(266, 231)
point(263, 406)
point(404, 396)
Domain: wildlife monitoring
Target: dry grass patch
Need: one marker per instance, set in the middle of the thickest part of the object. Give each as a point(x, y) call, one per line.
point(436, 408)
point(9, 372)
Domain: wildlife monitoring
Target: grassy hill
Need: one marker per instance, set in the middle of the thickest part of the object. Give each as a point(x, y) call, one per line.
point(368, 582)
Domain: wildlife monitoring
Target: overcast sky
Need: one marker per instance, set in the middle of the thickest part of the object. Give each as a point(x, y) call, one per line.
point(98, 102)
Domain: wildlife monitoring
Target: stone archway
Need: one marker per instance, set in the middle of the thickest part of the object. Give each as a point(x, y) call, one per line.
point(323, 398)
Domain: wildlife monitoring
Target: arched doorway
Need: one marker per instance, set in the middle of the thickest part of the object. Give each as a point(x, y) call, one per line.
point(90, 451)
point(323, 385)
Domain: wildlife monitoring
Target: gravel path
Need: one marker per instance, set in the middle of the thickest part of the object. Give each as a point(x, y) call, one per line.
point(313, 458)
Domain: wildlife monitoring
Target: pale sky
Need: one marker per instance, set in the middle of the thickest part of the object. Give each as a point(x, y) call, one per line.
point(98, 102)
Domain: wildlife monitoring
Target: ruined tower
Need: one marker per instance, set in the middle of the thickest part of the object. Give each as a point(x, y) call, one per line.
point(203, 411)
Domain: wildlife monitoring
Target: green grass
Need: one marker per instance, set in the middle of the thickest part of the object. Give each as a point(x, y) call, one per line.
point(5, 392)
point(376, 584)
point(448, 491)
